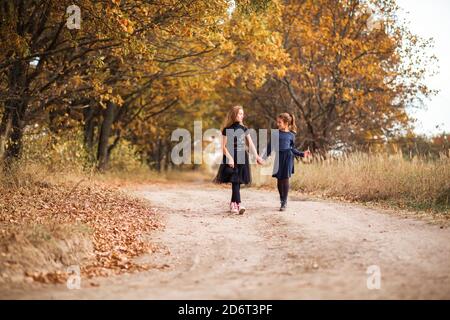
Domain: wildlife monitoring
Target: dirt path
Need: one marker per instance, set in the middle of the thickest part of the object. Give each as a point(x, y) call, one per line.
point(314, 250)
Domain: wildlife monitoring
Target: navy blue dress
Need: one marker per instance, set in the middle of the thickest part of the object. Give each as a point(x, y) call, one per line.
point(236, 137)
point(285, 156)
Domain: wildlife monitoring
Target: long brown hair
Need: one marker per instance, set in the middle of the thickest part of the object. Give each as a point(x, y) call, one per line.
point(231, 116)
point(289, 119)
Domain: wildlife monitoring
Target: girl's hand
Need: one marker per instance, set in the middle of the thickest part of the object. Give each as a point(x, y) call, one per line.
point(259, 160)
point(231, 163)
point(307, 153)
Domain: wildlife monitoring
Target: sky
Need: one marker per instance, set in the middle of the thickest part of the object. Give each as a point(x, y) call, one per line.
point(431, 19)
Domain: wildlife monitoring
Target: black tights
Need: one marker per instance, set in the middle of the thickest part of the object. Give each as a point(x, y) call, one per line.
point(236, 192)
point(283, 188)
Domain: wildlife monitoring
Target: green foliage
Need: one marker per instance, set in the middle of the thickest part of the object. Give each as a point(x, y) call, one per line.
point(126, 158)
point(57, 152)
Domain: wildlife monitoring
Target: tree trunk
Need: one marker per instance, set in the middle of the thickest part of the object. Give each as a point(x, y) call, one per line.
point(159, 156)
point(14, 147)
point(168, 162)
point(5, 128)
point(16, 106)
point(88, 131)
point(105, 133)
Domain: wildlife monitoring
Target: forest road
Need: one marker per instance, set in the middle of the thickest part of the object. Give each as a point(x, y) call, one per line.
point(315, 250)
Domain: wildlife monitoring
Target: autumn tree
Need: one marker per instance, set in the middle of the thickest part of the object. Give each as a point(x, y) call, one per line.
point(40, 57)
point(136, 70)
point(354, 68)
point(127, 59)
point(193, 62)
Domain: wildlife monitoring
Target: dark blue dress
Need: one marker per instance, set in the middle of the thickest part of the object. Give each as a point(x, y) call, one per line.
point(236, 137)
point(285, 156)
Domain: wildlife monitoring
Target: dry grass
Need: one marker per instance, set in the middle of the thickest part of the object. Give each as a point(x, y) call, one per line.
point(417, 183)
point(143, 175)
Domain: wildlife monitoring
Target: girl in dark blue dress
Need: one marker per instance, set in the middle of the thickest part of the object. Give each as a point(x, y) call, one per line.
point(285, 156)
point(235, 166)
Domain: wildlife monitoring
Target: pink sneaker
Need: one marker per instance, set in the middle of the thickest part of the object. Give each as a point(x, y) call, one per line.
point(240, 208)
point(233, 207)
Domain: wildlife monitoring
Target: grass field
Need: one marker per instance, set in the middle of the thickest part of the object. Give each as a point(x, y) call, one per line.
point(417, 183)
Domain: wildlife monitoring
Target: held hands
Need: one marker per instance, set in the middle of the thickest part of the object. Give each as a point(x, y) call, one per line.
point(259, 160)
point(231, 163)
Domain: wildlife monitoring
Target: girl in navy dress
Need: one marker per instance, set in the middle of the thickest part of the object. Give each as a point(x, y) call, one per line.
point(235, 167)
point(285, 156)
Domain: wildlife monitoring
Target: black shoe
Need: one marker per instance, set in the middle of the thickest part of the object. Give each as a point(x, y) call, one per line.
point(283, 206)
